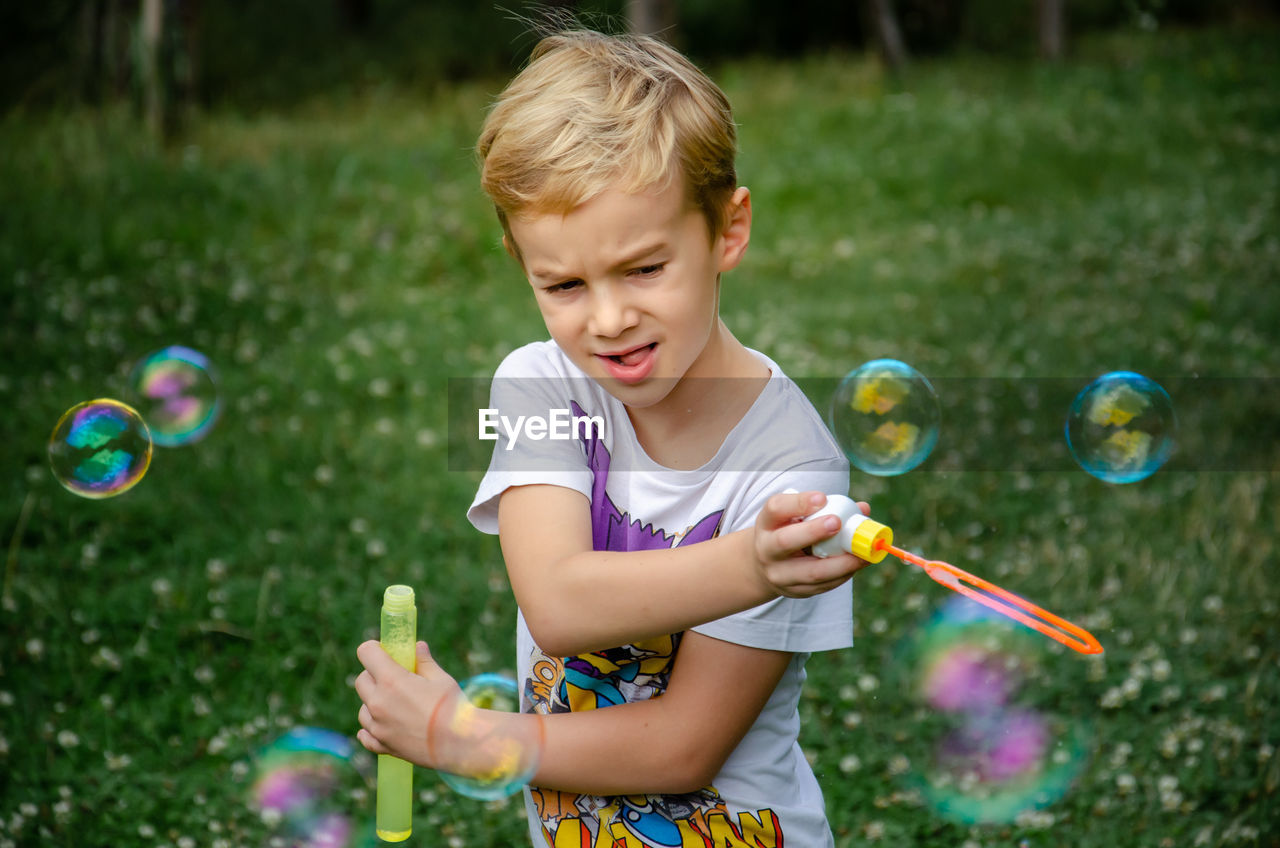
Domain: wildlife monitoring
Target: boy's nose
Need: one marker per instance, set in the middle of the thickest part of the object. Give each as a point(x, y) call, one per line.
point(610, 313)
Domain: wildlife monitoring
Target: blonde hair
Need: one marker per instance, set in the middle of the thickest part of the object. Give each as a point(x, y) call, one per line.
point(592, 112)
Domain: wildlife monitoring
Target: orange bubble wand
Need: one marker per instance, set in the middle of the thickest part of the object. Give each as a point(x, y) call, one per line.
point(872, 540)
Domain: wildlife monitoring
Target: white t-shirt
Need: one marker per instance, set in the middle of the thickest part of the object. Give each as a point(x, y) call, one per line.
point(766, 793)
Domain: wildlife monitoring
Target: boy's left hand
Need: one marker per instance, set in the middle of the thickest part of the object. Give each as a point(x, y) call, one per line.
point(398, 703)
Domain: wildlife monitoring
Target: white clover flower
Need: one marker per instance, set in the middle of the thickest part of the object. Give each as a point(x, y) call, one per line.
point(204, 674)
point(323, 475)
point(1126, 783)
point(1111, 699)
point(850, 763)
point(68, 739)
point(216, 569)
point(852, 720)
point(107, 658)
point(899, 764)
point(6, 699)
point(1160, 670)
point(35, 648)
point(873, 830)
point(117, 762)
point(375, 548)
point(868, 682)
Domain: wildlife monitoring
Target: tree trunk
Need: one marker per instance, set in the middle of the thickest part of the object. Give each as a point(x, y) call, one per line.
point(151, 29)
point(652, 17)
point(889, 35)
point(1052, 21)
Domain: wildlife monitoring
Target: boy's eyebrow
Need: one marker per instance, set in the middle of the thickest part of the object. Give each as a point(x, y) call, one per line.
point(629, 258)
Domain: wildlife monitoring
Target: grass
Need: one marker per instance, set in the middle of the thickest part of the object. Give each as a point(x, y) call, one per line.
point(993, 223)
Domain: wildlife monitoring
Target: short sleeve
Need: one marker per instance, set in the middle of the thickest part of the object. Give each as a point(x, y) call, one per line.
point(526, 384)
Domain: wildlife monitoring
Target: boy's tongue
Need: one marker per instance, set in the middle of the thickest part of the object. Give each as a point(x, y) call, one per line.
point(635, 356)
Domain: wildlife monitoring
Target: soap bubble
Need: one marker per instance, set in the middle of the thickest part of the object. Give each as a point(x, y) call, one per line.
point(885, 416)
point(501, 756)
point(1120, 428)
point(100, 448)
point(309, 787)
point(986, 753)
point(178, 395)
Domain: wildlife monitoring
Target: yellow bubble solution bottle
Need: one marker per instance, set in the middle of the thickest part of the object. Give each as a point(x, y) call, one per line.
point(395, 776)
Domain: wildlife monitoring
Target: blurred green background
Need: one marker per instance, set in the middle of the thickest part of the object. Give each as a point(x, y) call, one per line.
point(306, 213)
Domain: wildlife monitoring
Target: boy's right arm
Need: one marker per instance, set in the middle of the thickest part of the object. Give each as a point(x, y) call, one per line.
point(577, 600)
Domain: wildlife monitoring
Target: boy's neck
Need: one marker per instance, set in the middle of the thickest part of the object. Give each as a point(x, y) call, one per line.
point(689, 425)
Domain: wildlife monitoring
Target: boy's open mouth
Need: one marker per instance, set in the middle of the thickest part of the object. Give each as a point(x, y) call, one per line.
point(631, 357)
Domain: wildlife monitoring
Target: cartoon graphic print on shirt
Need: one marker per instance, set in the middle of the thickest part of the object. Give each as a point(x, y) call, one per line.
point(633, 672)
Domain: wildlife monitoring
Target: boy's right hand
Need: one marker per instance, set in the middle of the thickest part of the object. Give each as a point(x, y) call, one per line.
point(782, 537)
point(398, 704)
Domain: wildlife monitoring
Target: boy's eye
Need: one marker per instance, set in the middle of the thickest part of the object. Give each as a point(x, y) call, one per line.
point(561, 288)
point(648, 270)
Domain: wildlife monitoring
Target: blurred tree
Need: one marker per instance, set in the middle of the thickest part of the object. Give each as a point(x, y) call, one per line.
point(893, 49)
point(652, 17)
point(1053, 28)
point(356, 15)
point(150, 28)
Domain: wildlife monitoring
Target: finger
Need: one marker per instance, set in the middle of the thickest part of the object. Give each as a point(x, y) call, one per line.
point(424, 652)
point(365, 717)
point(787, 507)
point(374, 658)
point(364, 685)
point(370, 742)
point(865, 507)
point(795, 537)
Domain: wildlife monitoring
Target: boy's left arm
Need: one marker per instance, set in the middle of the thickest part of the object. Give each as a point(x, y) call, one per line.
point(672, 744)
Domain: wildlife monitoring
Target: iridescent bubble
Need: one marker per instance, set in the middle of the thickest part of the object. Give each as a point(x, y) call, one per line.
point(499, 755)
point(309, 787)
point(1121, 427)
point(178, 395)
point(100, 448)
point(885, 417)
point(987, 752)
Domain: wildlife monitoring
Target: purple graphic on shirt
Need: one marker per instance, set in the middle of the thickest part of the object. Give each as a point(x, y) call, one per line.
point(615, 530)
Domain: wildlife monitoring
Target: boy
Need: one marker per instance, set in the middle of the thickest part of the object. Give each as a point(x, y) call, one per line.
point(653, 552)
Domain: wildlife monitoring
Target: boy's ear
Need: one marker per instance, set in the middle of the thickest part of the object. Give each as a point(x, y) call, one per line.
point(737, 233)
point(510, 247)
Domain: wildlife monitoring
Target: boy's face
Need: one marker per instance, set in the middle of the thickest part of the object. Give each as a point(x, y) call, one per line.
point(628, 285)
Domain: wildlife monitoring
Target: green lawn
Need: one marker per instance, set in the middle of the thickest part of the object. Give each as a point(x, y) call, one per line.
point(1012, 230)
